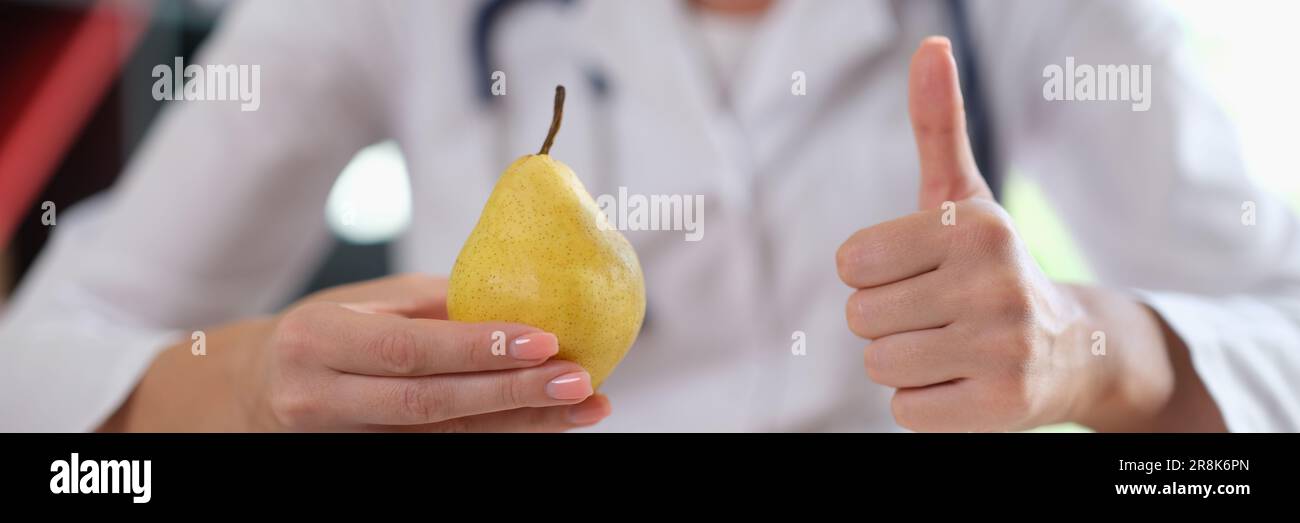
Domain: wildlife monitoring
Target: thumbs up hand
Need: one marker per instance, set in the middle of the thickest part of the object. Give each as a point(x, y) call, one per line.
point(962, 321)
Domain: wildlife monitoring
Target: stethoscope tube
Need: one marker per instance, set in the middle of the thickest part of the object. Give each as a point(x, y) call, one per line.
point(492, 13)
point(485, 23)
point(979, 122)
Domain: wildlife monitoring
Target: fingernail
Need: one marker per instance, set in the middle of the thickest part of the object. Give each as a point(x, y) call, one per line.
point(586, 413)
point(941, 40)
point(535, 346)
point(571, 386)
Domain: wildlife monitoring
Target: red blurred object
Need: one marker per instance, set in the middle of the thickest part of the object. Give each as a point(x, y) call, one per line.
point(65, 61)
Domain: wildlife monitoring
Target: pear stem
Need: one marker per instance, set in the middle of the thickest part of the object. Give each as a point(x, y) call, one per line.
point(555, 120)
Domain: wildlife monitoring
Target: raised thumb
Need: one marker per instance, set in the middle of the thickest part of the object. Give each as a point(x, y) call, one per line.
point(948, 169)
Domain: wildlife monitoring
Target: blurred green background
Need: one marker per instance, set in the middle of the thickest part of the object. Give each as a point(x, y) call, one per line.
point(1243, 48)
point(1246, 52)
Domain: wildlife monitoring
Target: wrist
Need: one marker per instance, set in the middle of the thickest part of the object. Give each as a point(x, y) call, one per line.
point(1127, 374)
point(183, 392)
point(247, 374)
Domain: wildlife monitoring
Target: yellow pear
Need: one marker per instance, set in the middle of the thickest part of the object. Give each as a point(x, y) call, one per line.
point(543, 254)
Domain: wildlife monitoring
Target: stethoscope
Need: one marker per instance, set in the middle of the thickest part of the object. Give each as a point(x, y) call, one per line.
point(489, 15)
point(979, 124)
point(492, 12)
point(486, 20)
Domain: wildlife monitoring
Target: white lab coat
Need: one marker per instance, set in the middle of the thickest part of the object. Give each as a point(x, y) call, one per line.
point(219, 215)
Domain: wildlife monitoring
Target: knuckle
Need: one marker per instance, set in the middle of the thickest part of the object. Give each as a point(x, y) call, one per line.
point(475, 344)
point(293, 409)
point(857, 315)
point(511, 391)
point(292, 339)
point(989, 228)
point(396, 351)
point(423, 402)
point(1012, 299)
point(1017, 307)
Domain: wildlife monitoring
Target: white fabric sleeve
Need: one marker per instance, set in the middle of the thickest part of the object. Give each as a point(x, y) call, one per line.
point(219, 214)
point(1156, 199)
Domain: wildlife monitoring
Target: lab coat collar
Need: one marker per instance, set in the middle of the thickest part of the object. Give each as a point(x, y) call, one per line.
point(650, 54)
point(824, 40)
point(648, 46)
point(645, 49)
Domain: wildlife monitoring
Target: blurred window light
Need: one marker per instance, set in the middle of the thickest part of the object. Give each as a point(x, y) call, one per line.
point(371, 200)
point(1242, 50)
point(1246, 51)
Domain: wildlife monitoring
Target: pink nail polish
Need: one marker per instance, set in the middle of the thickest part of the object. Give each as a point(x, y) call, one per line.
point(571, 386)
point(535, 346)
